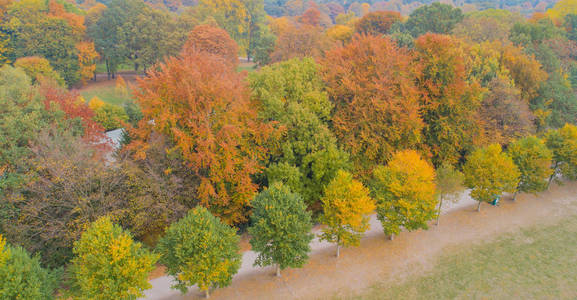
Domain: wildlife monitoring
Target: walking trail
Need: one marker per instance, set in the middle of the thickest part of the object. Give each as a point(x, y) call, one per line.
point(380, 260)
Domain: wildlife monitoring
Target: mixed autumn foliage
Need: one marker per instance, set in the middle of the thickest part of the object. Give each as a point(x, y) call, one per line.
point(353, 109)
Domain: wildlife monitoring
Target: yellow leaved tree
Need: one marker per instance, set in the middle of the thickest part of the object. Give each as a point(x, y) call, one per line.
point(346, 209)
point(405, 192)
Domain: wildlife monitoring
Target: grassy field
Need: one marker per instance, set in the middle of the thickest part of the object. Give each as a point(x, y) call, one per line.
point(539, 263)
point(107, 94)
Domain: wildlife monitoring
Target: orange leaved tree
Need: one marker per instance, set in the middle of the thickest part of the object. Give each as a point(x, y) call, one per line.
point(371, 83)
point(203, 105)
point(213, 40)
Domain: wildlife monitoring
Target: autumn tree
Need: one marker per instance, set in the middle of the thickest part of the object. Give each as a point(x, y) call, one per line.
point(377, 23)
point(449, 103)
point(435, 18)
point(109, 264)
point(487, 25)
point(346, 209)
point(563, 143)
point(87, 57)
point(489, 172)
point(213, 40)
point(305, 156)
point(203, 106)
point(405, 193)
point(534, 160)
point(300, 41)
point(38, 69)
point(67, 186)
point(108, 115)
point(280, 230)
point(200, 249)
point(371, 83)
point(449, 184)
point(22, 276)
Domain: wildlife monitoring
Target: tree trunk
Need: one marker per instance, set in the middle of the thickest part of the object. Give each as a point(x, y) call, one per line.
point(515, 195)
point(277, 270)
point(479, 206)
point(391, 236)
point(207, 293)
point(107, 69)
point(439, 212)
point(338, 250)
point(553, 175)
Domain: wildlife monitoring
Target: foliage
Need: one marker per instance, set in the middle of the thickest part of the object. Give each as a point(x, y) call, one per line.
point(563, 143)
point(346, 209)
point(281, 225)
point(489, 172)
point(200, 249)
point(371, 83)
point(4, 252)
point(38, 68)
point(108, 115)
point(68, 186)
point(434, 18)
point(405, 192)
point(449, 102)
point(22, 277)
point(492, 25)
point(377, 23)
point(533, 159)
point(109, 264)
point(213, 40)
point(340, 33)
point(449, 180)
point(557, 97)
point(305, 156)
point(300, 41)
point(205, 109)
point(87, 57)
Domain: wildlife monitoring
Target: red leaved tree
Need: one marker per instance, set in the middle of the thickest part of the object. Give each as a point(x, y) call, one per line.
point(204, 108)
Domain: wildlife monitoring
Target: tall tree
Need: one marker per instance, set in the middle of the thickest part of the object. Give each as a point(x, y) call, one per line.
point(534, 160)
point(200, 249)
point(435, 18)
point(280, 231)
point(405, 192)
point(377, 23)
point(204, 107)
point(450, 103)
point(109, 264)
point(214, 40)
point(489, 172)
point(346, 209)
point(305, 156)
point(371, 83)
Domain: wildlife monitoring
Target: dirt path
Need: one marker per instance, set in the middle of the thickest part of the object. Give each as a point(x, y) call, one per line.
point(376, 258)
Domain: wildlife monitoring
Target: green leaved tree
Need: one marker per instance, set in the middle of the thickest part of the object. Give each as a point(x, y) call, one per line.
point(405, 192)
point(200, 249)
point(449, 184)
point(489, 172)
point(563, 144)
point(281, 228)
point(22, 277)
point(346, 209)
point(109, 264)
point(534, 160)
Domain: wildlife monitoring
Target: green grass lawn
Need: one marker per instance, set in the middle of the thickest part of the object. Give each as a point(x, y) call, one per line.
point(107, 94)
point(538, 263)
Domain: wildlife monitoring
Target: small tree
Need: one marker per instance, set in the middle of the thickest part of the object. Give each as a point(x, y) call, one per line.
point(489, 172)
point(200, 249)
point(109, 264)
point(449, 183)
point(346, 205)
point(563, 144)
point(405, 192)
point(533, 159)
point(22, 277)
point(281, 228)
